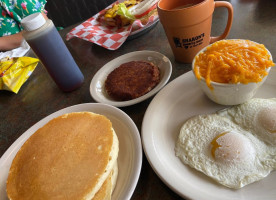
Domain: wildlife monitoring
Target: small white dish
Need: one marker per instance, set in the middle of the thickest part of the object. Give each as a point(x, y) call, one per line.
point(130, 148)
point(97, 88)
point(181, 99)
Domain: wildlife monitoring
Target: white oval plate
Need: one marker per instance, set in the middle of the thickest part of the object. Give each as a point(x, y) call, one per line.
point(171, 107)
point(97, 89)
point(130, 148)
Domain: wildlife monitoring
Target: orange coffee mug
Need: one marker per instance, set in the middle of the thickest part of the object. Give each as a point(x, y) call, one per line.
point(187, 24)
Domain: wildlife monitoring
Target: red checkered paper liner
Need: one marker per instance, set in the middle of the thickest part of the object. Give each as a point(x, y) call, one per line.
point(103, 35)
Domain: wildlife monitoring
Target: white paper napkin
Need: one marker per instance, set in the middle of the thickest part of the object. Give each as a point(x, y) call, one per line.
point(18, 52)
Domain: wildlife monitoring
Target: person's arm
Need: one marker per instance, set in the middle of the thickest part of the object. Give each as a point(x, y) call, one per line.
point(12, 41)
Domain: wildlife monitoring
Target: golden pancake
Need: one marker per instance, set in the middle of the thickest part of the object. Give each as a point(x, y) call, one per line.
point(108, 186)
point(68, 158)
point(115, 173)
point(105, 191)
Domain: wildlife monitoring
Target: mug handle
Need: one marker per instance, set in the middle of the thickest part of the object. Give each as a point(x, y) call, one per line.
point(229, 22)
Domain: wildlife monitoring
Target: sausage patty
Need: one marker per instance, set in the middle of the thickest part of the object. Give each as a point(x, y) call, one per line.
point(131, 80)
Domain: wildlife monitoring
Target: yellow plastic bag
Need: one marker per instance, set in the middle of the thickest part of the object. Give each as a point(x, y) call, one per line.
point(14, 72)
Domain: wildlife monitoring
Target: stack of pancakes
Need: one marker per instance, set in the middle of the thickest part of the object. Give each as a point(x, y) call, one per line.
point(73, 156)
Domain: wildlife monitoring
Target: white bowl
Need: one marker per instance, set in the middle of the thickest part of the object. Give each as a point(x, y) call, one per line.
point(229, 94)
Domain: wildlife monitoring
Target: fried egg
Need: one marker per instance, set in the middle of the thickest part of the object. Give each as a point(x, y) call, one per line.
point(257, 116)
point(224, 151)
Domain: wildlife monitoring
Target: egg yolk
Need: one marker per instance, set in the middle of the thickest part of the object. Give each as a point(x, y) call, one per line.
point(215, 144)
point(233, 61)
point(230, 147)
point(267, 117)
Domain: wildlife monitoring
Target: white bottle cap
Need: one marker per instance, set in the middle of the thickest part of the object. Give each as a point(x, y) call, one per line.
point(33, 22)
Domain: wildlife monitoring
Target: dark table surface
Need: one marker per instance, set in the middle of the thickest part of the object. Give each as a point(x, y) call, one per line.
point(39, 96)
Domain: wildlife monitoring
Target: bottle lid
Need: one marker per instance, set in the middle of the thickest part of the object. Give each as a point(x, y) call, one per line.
point(33, 21)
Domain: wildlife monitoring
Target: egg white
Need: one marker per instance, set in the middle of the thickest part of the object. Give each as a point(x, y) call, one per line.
point(257, 116)
point(240, 160)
